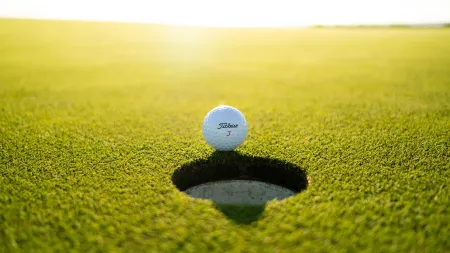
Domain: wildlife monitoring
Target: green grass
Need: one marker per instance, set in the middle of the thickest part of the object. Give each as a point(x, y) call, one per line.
point(96, 117)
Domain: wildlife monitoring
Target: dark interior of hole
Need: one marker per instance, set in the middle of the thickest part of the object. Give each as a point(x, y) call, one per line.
point(232, 165)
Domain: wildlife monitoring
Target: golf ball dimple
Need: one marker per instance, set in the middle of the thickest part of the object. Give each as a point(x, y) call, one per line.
point(224, 128)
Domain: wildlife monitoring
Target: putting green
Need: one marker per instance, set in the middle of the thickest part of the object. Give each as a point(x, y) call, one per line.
point(96, 117)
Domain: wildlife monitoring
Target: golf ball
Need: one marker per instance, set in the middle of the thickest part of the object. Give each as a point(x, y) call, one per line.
point(224, 128)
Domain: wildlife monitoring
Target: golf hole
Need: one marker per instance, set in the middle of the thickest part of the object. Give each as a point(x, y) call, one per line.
point(232, 178)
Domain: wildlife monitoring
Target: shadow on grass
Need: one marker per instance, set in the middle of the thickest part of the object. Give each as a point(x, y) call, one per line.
point(235, 166)
point(241, 214)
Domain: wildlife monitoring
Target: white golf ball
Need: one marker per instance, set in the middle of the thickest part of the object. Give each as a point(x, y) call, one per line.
point(225, 128)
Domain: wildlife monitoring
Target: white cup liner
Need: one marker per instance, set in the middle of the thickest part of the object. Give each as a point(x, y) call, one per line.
point(239, 192)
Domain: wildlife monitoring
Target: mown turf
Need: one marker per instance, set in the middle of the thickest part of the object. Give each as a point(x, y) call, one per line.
point(96, 117)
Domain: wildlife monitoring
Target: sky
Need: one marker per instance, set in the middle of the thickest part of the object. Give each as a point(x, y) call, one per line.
point(236, 13)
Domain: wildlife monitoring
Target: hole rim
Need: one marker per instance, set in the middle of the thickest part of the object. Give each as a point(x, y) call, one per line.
point(225, 166)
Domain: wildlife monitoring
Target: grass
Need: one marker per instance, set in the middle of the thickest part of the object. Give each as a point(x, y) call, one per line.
point(96, 117)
